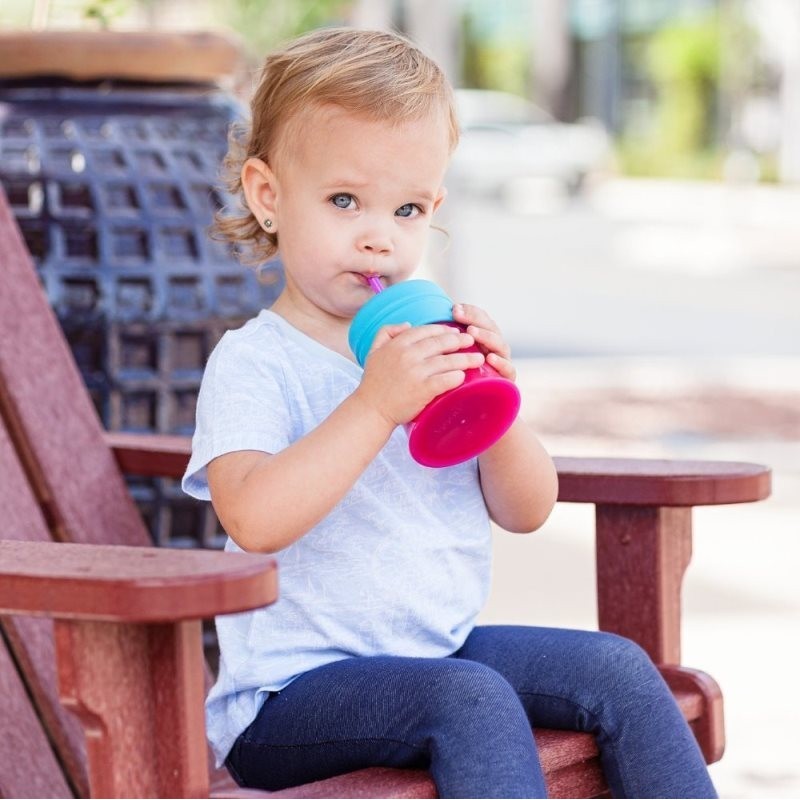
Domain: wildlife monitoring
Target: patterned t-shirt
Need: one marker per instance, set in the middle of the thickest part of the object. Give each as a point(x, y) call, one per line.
point(401, 564)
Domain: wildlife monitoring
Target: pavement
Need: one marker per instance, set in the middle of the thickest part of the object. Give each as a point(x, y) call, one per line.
point(741, 614)
point(631, 266)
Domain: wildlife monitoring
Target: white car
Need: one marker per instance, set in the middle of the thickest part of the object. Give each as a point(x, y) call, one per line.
point(505, 139)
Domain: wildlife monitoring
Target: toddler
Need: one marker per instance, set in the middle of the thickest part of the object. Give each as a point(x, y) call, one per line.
point(371, 656)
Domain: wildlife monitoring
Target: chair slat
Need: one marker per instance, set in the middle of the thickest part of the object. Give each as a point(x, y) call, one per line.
point(49, 415)
point(28, 767)
point(31, 642)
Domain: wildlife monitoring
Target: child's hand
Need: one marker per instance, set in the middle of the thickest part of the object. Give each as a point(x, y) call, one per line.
point(487, 336)
point(407, 367)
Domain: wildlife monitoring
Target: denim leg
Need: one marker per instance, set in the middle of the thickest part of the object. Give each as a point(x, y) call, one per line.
point(606, 685)
point(459, 719)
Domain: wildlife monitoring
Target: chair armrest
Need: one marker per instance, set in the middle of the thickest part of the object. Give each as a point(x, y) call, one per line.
point(631, 481)
point(128, 637)
point(643, 523)
point(153, 455)
point(653, 482)
point(113, 583)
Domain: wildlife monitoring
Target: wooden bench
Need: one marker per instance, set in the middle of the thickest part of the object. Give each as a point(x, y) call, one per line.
point(124, 653)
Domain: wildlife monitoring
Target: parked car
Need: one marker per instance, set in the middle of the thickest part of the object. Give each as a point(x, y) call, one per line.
point(506, 139)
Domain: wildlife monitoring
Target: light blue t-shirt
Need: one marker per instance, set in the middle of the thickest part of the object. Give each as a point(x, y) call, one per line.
point(399, 567)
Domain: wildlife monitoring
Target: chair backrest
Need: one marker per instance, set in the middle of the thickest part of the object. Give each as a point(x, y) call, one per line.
point(59, 481)
point(49, 416)
point(28, 765)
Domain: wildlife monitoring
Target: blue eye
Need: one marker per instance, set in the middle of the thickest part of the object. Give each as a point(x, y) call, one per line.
point(408, 210)
point(342, 200)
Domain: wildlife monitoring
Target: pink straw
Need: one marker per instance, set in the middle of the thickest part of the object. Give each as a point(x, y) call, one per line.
point(375, 283)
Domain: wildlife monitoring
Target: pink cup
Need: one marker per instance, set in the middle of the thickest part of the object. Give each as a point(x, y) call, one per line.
point(463, 422)
point(458, 424)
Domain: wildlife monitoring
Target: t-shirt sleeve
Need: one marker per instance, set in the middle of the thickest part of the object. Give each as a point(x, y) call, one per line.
point(242, 405)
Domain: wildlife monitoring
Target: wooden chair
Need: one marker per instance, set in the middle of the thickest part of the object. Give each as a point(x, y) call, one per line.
point(100, 623)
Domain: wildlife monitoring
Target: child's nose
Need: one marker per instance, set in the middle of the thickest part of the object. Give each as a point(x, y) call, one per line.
point(375, 244)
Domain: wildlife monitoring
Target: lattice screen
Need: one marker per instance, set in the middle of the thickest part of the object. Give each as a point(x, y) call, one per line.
point(113, 186)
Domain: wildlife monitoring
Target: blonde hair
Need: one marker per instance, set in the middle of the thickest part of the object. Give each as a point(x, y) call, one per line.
point(379, 75)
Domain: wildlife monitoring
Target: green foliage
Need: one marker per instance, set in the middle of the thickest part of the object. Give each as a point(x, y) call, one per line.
point(693, 65)
point(496, 60)
point(684, 62)
point(642, 159)
point(686, 52)
point(265, 23)
point(103, 11)
point(494, 65)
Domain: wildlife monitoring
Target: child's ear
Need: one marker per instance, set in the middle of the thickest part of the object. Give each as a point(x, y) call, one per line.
point(260, 190)
point(439, 199)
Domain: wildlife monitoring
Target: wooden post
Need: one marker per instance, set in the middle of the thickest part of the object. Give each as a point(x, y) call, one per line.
point(642, 554)
point(138, 692)
point(708, 724)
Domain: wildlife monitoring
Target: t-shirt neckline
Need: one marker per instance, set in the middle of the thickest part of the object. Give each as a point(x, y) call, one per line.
point(312, 346)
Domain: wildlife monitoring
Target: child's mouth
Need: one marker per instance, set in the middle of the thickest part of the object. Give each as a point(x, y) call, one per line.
point(372, 280)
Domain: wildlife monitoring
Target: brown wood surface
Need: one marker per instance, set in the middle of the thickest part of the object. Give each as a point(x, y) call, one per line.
point(642, 554)
point(654, 482)
point(131, 584)
point(707, 720)
point(149, 454)
point(31, 642)
point(49, 416)
point(28, 766)
point(138, 691)
point(131, 55)
point(627, 481)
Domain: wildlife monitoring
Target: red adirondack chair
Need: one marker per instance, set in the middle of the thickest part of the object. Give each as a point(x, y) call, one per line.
point(126, 657)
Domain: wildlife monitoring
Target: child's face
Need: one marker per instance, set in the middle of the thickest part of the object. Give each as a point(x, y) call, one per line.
point(352, 198)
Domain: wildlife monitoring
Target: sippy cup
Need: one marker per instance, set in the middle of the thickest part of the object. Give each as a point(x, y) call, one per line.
point(458, 424)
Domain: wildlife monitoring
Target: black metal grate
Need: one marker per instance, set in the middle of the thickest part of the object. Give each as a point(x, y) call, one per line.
point(113, 186)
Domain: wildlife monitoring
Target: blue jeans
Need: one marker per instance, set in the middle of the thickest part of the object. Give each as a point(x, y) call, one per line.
point(467, 718)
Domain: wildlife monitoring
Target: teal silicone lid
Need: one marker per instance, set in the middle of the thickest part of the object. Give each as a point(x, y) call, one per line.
point(418, 302)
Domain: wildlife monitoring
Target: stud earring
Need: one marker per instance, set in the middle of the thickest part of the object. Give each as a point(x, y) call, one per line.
point(267, 223)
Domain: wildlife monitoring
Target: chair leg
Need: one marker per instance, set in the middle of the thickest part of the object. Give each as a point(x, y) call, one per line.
point(138, 692)
point(642, 554)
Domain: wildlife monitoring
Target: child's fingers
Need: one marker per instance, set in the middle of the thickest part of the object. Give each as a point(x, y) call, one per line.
point(444, 381)
point(503, 366)
point(447, 362)
point(433, 331)
point(428, 340)
point(388, 332)
point(450, 340)
point(491, 340)
point(473, 315)
point(412, 334)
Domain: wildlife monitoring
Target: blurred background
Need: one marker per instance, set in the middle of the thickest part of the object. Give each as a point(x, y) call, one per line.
point(625, 202)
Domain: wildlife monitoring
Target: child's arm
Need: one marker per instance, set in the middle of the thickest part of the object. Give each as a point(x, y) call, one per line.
point(265, 502)
point(518, 478)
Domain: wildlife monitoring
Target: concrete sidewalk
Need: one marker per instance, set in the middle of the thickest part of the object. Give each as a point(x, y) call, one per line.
point(741, 596)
